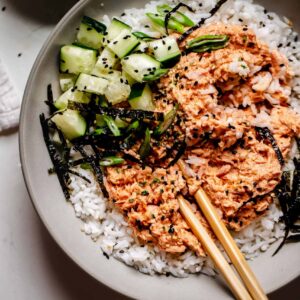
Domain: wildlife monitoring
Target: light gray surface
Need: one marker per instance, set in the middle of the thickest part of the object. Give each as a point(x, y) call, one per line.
point(32, 266)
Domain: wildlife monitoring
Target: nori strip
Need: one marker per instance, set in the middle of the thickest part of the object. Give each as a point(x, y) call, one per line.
point(266, 134)
point(174, 10)
point(201, 22)
point(57, 163)
point(50, 99)
point(289, 200)
point(118, 112)
point(95, 166)
point(293, 238)
point(180, 152)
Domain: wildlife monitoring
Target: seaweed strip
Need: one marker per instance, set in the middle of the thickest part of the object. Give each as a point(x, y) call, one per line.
point(118, 112)
point(174, 10)
point(97, 169)
point(290, 204)
point(57, 163)
point(180, 152)
point(266, 134)
point(293, 238)
point(50, 99)
point(287, 230)
point(79, 175)
point(201, 22)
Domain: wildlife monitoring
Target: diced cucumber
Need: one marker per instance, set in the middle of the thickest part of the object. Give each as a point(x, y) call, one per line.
point(112, 75)
point(141, 97)
point(139, 65)
point(123, 44)
point(91, 84)
point(76, 60)
point(142, 47)
point(71, 123)
point(66, 81)
point(129, 78)
point(165, 49)
point(118, 89)
point(106, 61)
point(71, 94)
point(90, 33)
point(115, 28)
point(156, 75)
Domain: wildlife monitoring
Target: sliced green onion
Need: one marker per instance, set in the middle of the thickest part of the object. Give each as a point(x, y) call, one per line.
point(85, 166)
point(120, 123)
point(145, 147)
point(167, 122)
point(99, 131)
point(143, 36)
point(156, 75)
point(208, 48)
point(111, 161)
point(133, 126)
point(159, 20)
point(112, 125)
point(102, 101)
point(207, 42)
point(177, 16)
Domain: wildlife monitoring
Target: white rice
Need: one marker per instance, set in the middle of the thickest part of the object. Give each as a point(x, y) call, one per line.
point(106, 225)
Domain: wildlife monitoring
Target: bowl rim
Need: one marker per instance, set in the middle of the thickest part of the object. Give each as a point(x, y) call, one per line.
point(47, 43)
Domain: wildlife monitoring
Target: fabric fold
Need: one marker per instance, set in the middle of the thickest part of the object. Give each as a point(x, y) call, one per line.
point(9, 102)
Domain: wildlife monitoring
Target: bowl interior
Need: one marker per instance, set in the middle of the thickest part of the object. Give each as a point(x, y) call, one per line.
point(58, 215)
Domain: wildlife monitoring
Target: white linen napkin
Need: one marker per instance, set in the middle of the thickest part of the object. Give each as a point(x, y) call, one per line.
point(9, 102)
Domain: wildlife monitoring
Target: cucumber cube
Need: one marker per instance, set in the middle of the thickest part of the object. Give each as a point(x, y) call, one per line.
point(71, 95)
point(76, 60)
point(71, 123)
point(91, 84)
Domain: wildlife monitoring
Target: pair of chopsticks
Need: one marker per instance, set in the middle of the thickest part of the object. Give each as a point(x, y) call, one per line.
point(255, 291)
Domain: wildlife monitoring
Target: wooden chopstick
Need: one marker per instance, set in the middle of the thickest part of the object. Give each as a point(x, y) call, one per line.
point(227, 241)
point(237, 288)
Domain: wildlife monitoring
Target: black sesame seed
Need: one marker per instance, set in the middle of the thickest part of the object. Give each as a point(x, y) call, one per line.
point(279, 45)
point(123, 14)
point(241, 20)
point(200, 4)
point(169, 48)
point(147, 26)
point(186, 68)
point(163, 42)
point(245, 29)
point(121, 80)
point(136, 71)
point(89, 29)
point(115, 42)
point(171, 229)
point(3, 8)
point(281, 65)
point(155, 48)
point(20, 54)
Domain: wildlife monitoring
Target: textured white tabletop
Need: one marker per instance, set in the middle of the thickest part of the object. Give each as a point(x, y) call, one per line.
point(32, 266)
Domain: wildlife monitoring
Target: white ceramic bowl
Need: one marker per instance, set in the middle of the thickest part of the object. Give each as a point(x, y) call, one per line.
point(58, 215)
